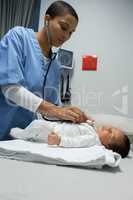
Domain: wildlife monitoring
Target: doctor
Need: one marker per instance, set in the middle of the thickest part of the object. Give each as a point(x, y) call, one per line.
point(29, 71)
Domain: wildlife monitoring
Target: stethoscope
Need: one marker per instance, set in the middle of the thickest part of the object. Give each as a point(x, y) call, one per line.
point(52, 57)
point(53, 119)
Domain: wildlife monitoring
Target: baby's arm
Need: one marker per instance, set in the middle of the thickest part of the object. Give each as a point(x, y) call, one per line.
point(78, 141)
point(86, 139)
point(63, 141)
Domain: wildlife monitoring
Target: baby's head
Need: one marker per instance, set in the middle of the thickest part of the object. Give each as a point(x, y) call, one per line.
point(114, 139)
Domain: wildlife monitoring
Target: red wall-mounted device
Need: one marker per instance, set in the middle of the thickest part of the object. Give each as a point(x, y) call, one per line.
point(89, 63)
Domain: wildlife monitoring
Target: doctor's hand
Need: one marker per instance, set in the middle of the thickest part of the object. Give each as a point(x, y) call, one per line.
point(69, 113)
point(73, 114)
point(79, 116)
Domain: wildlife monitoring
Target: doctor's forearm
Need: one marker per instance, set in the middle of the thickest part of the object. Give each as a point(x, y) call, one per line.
point(22, 97)
point(26, 99)
point(48, 109)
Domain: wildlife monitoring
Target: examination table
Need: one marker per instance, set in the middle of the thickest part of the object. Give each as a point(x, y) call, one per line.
point(21, 180)
point(33, 181)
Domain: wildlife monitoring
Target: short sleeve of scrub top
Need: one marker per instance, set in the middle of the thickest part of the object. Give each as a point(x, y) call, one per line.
point(11, 59)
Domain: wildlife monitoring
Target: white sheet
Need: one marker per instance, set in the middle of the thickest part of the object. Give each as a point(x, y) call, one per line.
point(94, 157)
point(123, 123)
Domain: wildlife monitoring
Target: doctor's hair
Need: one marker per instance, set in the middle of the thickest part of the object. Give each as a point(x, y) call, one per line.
point(59, 8)
point(122, 147)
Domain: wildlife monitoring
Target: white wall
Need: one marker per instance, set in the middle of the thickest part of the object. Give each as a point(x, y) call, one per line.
point(105, 29)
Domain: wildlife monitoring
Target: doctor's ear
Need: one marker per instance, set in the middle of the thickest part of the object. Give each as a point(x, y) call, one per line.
point(47, 18)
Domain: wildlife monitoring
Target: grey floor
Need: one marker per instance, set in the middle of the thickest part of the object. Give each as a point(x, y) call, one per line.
point(32, 181)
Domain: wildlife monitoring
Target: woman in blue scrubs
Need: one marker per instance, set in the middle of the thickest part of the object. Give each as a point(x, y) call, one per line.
point(29, 75)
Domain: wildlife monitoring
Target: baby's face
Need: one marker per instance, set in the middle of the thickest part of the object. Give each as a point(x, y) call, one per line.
point(108, 134)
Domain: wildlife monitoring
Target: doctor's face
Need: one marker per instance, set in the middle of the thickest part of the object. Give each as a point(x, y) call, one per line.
point(61, 28)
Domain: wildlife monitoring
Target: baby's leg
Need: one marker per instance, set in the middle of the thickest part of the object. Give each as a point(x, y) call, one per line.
point(53, 139)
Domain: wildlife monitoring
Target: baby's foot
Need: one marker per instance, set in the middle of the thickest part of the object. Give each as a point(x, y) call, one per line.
point(53, 139)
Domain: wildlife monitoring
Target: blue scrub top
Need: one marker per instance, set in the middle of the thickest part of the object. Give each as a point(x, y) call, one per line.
point(22, 63)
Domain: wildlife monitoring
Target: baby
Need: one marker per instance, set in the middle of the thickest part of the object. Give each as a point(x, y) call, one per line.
point(74, 135)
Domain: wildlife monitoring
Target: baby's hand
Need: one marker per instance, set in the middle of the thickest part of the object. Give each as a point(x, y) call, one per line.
point(91, 122)
point(53, 139)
